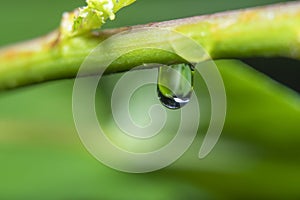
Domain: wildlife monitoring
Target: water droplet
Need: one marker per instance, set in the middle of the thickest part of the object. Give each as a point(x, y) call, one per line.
point(175, 85)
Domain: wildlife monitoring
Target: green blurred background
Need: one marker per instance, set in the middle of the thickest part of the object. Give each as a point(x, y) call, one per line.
point(41, 157)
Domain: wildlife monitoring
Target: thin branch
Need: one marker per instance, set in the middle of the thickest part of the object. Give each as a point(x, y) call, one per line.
point(268, 31)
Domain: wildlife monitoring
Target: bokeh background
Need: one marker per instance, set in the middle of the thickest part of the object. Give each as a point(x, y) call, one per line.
point(257, 156)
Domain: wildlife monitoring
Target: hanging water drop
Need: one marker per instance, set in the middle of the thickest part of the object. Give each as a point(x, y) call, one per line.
point(175, 85)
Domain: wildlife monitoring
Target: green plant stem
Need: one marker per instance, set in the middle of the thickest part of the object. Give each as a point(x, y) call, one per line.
point(268, 31)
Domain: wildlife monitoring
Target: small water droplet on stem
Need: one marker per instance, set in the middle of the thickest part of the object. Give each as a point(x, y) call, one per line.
point(175, 85)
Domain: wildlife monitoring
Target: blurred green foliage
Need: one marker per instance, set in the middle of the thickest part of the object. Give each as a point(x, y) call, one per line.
point(41, 156)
